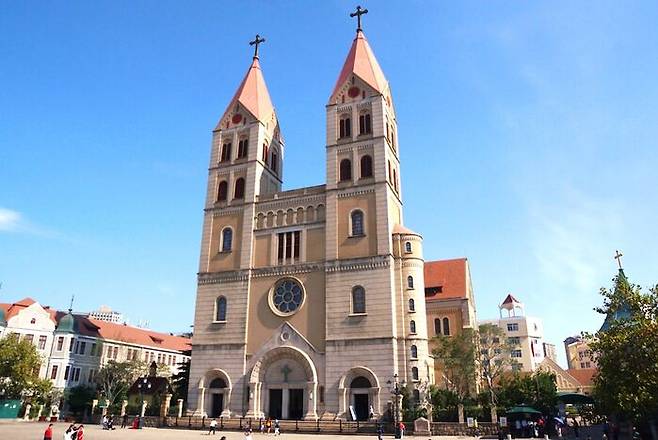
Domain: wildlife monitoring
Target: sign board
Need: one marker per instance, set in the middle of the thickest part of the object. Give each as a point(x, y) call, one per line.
point(470, 422)
point(352, 412)
point(102, 403)
point(502, 421)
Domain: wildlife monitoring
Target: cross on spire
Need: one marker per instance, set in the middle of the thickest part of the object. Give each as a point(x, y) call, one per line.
point(71, 305)
point(255, 43)
point(618, 256)
point(359, 12)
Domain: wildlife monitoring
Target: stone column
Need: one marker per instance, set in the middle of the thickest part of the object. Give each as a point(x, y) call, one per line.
point(28, 407)
point(94, 404)
point(226, 411)
point(143, 410)
point(180, 407)
point(40, 411)
point(311, 410)
point(164, 408)
point(342, 408)
point(254, 406)
point(124, 404)
point(200, 406)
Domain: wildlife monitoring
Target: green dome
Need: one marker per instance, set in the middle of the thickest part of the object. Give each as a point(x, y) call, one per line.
point(66, 323)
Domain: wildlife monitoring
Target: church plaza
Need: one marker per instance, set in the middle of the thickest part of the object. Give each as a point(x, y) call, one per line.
point(33, 430)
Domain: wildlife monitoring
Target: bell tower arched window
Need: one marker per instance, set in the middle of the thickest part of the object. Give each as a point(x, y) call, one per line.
point(410, 282)
point(222, 191)
point(239, 189)
point(446, 326)
point(356, 220)
point(345, 170)
point(358, 300)
point(220, 309)
point(437, 326)
point(412, 327)
point(275, 162)
point(366, 166)
point(365, 126)
point(414, 373)
point(227, 239)
point(344, 127)
point(412, 305)
point(414, 352)
point(266, 154)
point(407, 247)
point(243, 148)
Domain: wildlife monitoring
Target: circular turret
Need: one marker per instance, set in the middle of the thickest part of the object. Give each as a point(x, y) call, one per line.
point(66, 323)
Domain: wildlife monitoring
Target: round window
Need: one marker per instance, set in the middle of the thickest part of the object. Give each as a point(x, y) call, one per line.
point(287, 296)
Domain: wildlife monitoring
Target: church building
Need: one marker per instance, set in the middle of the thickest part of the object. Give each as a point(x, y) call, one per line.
point(310, 301)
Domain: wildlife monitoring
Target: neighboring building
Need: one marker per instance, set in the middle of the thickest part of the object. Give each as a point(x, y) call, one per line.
point(571, 381)
point(104, 313)
point(524, 333)
point(449, 299)
point(579, 355)
point(309, 300)
point(550, 351)
point(74, 347)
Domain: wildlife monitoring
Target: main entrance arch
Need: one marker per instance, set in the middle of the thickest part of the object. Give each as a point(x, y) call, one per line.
point(358, 394)
point(215, 393)
point(283, 384)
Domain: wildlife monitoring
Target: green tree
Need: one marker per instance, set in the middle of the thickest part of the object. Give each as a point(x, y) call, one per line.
point(115, 378)
point(181, 380)
point(79, 398)
point(537, 390)
point(19, 370)
point(456, 356)
point(495, 358)
point(626, 385)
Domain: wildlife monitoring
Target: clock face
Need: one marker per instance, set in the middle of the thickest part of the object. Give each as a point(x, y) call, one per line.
point(236, 118)
point(353, 92)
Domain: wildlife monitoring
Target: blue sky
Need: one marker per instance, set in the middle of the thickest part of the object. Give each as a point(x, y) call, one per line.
point(528, 135)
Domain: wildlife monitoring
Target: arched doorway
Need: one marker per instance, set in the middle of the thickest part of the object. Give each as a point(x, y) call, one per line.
point(284, 384)
point(215, 394)
point(358, 394)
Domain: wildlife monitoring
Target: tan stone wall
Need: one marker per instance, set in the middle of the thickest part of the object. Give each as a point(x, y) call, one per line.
point(315, 244)
point(309, 320)
point(262, 250)
point(351, 247)
point(219, 261)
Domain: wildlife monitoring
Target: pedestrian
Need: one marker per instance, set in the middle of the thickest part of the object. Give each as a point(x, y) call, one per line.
point(380, 432)
point(277, 427)
point(261, 426)
point(268, 424)
point(402, 428)
point(80, 433)
point(124, 421)
point(48, 434)
point(69, 432)
point(213, 427)
point(247, 435)
point(576, 431)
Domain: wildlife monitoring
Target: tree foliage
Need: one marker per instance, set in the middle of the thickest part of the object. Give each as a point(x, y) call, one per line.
point(181, 380)
point(19, 370)
point(626, 385)
point(79, 398)
point(537, 390)
point(495, 358)
point(456, 356)
point(115, 378)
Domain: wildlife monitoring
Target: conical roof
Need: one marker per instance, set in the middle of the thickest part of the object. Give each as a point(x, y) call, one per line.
point(66, 323)
point(624, 310)
point(361, 62)
point(252, 94)
point(509, 299)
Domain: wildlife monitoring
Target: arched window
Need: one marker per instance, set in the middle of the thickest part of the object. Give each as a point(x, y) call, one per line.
point(446, 326)
point(410, 282)
point(227, 239)
point(407, 247)
point(412, 326)
point(345, 171)
point(416, 396)
point(226, 152)
point(414, 373)
point(437, 326)
point(222, 191)
point(365, 126)
point(275, 162)
point(358, 300)
point(414, 352)
point(266, 154)
point(220, 309)
point(345, 127)
point(366, 166)
point(239, 189)
point(357, 223)
point(243, 148)
point(412, 305)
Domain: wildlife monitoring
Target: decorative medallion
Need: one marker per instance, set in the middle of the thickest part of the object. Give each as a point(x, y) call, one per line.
point(236, 118)
point(353, 92)
point(287, 296)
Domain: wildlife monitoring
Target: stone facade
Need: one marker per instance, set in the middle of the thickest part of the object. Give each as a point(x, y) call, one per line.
point(308, 300)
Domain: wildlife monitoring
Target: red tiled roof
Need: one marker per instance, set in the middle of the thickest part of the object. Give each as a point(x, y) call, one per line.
point(449, 275)
point(399, 229)
point(253, 95)
point(584, 375)
point(12, 310)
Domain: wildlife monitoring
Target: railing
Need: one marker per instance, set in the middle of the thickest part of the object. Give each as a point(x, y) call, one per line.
point(452, 428)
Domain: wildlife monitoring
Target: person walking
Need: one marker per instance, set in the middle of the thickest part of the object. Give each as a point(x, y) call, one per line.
point(247, 435)
point(268, 424)
point(380, 432)
point(213, 427)
point(80, 432)
point(48, 434)
point(402, 428)
point(124, 421)
point(277, 427)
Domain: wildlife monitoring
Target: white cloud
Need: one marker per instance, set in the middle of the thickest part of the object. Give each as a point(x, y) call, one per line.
point(10, 221)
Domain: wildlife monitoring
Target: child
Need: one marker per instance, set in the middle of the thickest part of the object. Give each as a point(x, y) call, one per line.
point(48, 435)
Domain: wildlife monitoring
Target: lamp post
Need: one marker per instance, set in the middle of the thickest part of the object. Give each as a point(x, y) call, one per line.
point(142, 385)
point(395, 388)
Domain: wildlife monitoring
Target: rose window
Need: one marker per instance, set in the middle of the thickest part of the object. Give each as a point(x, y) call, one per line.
point(287, 296)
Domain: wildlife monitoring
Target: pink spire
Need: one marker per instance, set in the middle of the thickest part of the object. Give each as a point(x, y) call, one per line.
point(361, 62)
point(253, 95)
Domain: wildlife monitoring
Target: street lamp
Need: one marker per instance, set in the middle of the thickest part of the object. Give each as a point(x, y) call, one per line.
point(396, 389)
point(142, 385)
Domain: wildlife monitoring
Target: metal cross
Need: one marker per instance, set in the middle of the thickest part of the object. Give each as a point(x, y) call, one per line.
point(255, 43)
point(286, 370)
point(359, 12)
point(71, 306)
point(618, 256)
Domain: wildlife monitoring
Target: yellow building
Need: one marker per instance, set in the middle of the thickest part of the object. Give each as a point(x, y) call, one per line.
point(309, 300)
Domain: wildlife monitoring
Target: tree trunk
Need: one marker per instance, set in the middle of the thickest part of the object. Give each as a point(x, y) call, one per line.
point(494, 414)
point(460, 412)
